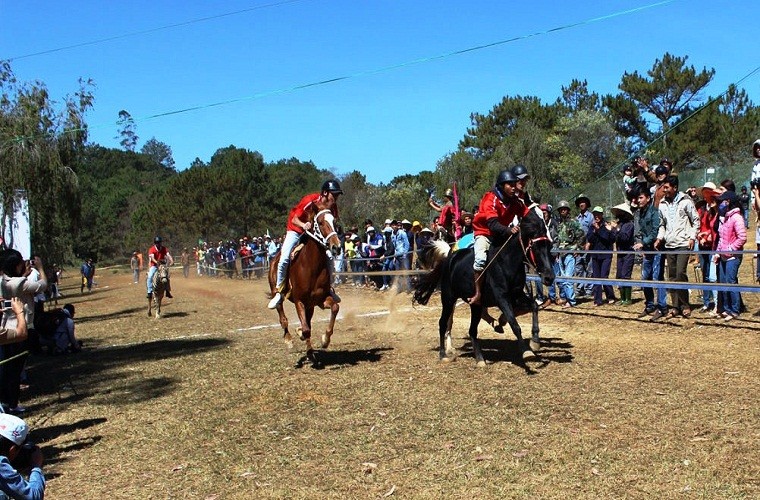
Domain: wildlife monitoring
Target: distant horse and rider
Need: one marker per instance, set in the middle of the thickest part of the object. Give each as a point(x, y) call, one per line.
point(307, 279)
point(160, 286)
point(503, 283)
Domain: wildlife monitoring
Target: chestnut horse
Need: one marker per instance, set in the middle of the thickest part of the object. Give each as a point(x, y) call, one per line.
point(308, 281)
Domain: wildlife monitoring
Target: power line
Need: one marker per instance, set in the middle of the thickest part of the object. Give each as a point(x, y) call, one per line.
point(385, 68)
point(152, 30)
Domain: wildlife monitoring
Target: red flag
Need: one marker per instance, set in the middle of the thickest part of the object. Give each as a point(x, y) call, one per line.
point(457, 229)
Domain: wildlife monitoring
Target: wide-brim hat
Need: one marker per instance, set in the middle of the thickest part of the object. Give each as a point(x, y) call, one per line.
point(464, 214)
point(708, 192)
point(406, 222)
point(622, 211)
point(582, 199)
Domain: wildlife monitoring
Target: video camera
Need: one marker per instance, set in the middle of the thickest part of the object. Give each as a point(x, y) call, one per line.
point(23, 460)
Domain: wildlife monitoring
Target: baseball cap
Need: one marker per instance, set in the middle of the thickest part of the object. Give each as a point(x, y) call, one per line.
point(13, 428)
point(388, 221)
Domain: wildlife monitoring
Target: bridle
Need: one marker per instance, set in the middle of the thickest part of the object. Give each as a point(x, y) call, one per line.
point(530, 256)
point(316, 232)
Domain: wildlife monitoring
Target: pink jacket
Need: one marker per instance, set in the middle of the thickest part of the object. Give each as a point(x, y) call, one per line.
point(732, 234)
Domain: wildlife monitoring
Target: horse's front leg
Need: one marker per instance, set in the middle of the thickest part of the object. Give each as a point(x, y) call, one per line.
point(334, 308)
point(535, 340)
point(476, 312)
point(506, 309)
point(150, 307)
point(158, 300)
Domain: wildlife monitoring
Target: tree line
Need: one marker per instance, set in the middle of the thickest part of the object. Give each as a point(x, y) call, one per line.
point(87, 200)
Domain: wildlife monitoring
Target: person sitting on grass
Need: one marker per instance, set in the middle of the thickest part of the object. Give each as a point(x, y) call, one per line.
point(65, 339)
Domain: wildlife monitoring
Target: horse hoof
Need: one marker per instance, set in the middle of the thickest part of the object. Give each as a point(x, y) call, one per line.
point(529, 356)
point(325, 341)
point(300, 334)
point(289, 344)
point(445, 359)
point(498, 329)
point(481, 364)
point(535, 346)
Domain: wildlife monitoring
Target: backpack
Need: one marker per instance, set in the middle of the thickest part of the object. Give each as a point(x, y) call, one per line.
point(47, 323)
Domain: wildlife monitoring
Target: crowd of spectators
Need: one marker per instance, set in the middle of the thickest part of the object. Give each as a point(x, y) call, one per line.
point(667, 229)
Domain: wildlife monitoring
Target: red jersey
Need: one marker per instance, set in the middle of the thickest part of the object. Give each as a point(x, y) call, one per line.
point(301, 211)
point(157, 254)
point(447, 217)
point(491, 206)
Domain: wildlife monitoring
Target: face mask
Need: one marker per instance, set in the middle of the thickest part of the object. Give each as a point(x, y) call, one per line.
point(723, 208)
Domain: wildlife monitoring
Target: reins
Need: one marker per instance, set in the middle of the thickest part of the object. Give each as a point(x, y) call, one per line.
point(316, 233)
point(527, 252)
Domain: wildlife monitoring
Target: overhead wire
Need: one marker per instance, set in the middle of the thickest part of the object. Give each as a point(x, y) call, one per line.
point(152, 30)
point(383, 69)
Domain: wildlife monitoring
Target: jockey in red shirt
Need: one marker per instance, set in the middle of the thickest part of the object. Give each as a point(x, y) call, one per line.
point(156, 254)
point(496, 212)
point(448, 216)
point(298, 222)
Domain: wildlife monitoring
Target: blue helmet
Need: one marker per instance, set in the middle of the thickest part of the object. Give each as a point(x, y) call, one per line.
point(520, 172)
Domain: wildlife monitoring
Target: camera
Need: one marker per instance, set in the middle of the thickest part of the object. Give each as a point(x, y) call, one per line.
point(6, 304)
point(755, 183)
point(23, 460)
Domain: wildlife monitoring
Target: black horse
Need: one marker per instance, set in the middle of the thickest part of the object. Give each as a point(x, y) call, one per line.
point(503, 283)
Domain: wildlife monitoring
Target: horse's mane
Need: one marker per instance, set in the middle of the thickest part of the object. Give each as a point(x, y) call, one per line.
point(533, 224)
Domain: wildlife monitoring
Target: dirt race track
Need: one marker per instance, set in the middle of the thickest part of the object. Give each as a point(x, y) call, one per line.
point(208, 403)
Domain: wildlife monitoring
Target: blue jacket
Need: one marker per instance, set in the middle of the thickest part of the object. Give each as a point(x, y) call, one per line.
point(14, 485)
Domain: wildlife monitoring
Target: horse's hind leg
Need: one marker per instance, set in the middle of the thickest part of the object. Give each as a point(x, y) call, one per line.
point(444, 328)
point(334, 308)
point(475, 314)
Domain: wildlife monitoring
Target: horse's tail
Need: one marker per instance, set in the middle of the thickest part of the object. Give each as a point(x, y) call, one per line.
point(428, 284)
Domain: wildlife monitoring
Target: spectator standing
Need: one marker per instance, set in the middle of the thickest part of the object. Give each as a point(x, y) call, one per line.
point(708, 224)
point(570, 239)
point(623, 232)
point(448, 215)
point(744, 202)
point(679, 223)
point(402, 254)
point(88, 275)
point(732, 236)
point(15, 283)
point(184, 260)
point(13, 433)
point(542, 299)
point(389, 262)
point(583, 262)
point(647, 222)
point(600, 238)
point(134, 265)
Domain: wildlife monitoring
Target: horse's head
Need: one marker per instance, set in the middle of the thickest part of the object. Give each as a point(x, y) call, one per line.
point(324, 229)
point(537, 245)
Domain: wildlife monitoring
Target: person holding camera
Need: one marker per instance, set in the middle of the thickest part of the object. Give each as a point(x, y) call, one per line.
point(16, 453)
point(16, 283)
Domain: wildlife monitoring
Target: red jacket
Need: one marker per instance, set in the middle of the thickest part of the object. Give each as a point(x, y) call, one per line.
point(301, 211)
point(491, 206)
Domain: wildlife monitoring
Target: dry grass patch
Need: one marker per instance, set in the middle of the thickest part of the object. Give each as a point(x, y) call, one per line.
point(208, 403)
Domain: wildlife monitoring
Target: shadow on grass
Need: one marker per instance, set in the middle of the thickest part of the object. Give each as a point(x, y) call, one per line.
point(339, 359)
point(107, 375)
point(107, 316)
point(553, 350)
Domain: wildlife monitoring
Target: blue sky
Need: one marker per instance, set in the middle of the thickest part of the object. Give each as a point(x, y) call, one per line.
point(382, 124)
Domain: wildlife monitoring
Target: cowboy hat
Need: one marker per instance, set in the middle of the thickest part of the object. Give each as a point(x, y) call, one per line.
point(581, 199)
